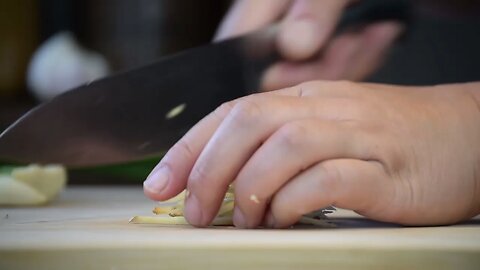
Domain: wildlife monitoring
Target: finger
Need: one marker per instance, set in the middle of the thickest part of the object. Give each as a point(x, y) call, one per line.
point(350, 56)
point(250, 122)
point(360, 185)
point(307, 26)
point(247, 125)
point(170, 176)
point(293, 148)
point(376, 40)
point(248, 15)
point(330, 65)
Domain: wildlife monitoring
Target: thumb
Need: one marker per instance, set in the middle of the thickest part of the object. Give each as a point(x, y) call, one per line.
point(307, 27)
point(248, 15)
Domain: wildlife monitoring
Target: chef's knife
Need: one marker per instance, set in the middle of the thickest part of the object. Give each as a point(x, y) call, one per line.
point(141, 113)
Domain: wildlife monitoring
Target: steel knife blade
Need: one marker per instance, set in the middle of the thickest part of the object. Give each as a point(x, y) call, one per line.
point(141, 113)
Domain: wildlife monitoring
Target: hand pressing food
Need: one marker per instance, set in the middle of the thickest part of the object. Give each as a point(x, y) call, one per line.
point(171, 212)
point(407, 155)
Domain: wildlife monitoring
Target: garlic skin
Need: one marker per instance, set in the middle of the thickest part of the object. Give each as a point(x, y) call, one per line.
point(61, 64)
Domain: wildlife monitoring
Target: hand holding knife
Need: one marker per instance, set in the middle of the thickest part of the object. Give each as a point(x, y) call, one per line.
point(141, 113)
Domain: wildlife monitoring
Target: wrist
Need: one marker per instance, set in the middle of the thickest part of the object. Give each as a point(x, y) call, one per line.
point(473, 89)
point(471, 94)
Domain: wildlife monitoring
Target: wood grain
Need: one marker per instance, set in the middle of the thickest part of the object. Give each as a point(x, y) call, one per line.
point(87, 228)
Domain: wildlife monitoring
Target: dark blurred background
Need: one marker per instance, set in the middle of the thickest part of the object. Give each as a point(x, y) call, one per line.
point(442, 46)
point(128, 33)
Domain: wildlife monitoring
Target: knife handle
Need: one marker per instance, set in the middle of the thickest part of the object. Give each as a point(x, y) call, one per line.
point(258, 51)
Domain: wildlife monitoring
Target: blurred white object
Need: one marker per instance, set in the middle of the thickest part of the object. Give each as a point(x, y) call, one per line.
point(60, 64)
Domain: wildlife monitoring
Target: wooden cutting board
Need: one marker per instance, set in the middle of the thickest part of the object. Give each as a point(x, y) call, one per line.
point(87, 228)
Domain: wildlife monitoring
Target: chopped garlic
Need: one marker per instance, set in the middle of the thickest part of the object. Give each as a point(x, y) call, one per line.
point(170, 212)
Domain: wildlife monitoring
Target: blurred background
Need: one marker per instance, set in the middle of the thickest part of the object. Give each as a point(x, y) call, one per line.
point(50, 45)
point(124, 33)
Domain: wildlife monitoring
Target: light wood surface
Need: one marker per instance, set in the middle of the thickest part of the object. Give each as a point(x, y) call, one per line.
point(87, 228)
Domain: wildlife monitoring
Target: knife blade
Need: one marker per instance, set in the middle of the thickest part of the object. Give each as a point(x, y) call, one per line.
point(140, 113)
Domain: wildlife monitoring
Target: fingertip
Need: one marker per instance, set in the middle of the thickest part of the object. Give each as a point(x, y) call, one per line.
point(299, 39)
point(247, 16)
point(239, 218)
point(151, 194)
point(269, 220)
point(193, 211)
point(164, 182)
point(157, 182)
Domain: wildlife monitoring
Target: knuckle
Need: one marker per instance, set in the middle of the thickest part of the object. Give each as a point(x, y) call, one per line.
point(198, 175)
point(309, 85)
point(292, 135)
point(183, 147)
point(306, 89)
point(342, 88)
point(332, 176)
point(245, 112)
point(222, 110)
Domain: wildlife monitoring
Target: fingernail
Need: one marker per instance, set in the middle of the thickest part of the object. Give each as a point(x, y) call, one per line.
point(193, 211)
point(239, 218)
point(299, 39)
point(270, 221)
point(157, 181)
